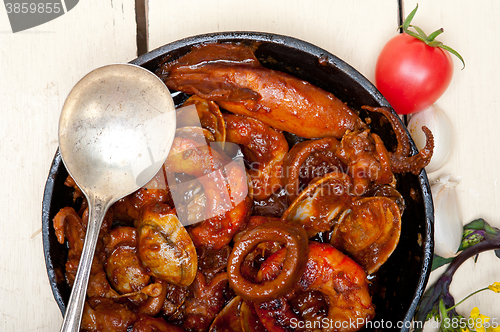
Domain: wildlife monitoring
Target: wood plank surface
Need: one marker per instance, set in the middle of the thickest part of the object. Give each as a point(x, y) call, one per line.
point(38, 69)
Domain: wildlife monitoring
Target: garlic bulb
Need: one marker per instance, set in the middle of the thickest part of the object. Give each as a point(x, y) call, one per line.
point(439, 124)
point(448, 227)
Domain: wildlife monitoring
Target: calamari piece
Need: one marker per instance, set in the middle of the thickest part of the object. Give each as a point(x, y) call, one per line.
point(231, 75)
point(370, 233)
point(293, 237)
point(360, 154)
point(263, 250)
point(298, 157)
point(337, 277)
point(164, 246)
point(264, 149)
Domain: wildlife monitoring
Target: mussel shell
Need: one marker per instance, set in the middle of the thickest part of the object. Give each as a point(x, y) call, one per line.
point(318, 206)
point(209, 117)
point(228, 319)
point(370, 233)
point(165, 247)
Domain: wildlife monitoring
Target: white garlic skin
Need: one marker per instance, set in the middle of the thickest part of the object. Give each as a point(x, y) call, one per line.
point(439, 124)
point(448, 225)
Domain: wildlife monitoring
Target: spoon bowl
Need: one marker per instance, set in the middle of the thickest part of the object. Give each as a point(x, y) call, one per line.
point(116, 123)
point(116, 129)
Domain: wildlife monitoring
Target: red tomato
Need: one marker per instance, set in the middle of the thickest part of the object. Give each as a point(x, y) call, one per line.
point(412, 75)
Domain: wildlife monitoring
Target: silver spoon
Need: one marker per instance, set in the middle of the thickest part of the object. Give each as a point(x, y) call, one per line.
point(116, 129)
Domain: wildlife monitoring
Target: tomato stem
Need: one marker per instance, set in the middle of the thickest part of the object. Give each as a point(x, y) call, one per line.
point(409, 18)
point(436, 33)
point(428, 40)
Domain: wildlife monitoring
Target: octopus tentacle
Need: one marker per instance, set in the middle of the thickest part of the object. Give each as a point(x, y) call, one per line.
point(415, 163)
point(401, 162)
point(385, 175)
point(367, 159)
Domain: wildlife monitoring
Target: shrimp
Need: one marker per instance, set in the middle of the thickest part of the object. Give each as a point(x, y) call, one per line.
point(338, 278)
point(226, 190)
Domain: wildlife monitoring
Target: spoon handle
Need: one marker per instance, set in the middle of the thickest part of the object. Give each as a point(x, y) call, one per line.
point(73, 314)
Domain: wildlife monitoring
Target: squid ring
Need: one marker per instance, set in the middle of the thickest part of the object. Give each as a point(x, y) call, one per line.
point(296, 157)
point(295, 239)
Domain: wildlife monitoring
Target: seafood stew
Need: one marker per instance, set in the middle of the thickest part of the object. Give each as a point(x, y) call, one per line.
point(216, 252)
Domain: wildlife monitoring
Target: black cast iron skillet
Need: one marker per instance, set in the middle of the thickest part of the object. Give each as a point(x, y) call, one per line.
point(399, 284)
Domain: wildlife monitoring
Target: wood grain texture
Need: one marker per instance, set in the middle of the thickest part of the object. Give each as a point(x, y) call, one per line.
point(470, 101)
point(38, 69)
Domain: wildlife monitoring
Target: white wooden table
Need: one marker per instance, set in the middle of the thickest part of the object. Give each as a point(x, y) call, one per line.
point(38, 68)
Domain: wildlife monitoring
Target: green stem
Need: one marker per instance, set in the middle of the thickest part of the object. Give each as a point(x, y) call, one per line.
point(465, 298)
point(443, 312)
point(436, 33)
point(428, 40)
